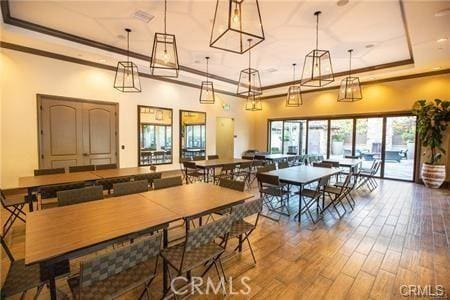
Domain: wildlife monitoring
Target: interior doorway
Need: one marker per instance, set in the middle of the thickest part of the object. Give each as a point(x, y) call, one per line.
point(76, 132)
point(225, 137)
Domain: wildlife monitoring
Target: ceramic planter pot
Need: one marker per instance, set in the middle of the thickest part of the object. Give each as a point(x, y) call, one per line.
point(433, 176)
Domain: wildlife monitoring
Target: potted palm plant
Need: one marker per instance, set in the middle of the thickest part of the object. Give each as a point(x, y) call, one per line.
point(432, 121)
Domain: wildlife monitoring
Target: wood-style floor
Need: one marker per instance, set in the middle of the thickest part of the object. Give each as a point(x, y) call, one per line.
point(398, 234)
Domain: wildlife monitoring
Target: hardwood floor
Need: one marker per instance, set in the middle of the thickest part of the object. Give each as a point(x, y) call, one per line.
point(397, 235)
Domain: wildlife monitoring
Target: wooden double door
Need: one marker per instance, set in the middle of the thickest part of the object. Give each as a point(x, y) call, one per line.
point(76, 132)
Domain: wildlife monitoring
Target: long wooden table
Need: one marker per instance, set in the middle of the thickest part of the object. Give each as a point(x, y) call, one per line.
point(62, 233)
point(212, 164)
point(302, 175)
point(33, 183)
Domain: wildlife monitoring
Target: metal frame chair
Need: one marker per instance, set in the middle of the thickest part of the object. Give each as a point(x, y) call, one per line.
point(338, 193)
point(40, 172)
point(242, 229)
point(168, 182)
point(132, 187)
point(50, 191)
point(150, 177)
point(314, 196)
point(21, 278)
point(226, 171)
point(86, 194)
point(199, 249)
point(283, 165)
point(106, 166)
point(15, 208)
point(192, 173)
point(275, 195)
point(108, 183)
point(73, 169)
point(113, 274)
point(368, 176)
point(243, 172)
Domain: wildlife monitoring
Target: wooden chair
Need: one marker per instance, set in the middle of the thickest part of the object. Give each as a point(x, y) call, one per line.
point(150, 177)
point(106, 167)
point(108, 183)
point(15, 208)
point(113, 274)
point(39, 172)
point(167, 182)
point(21, 278)
point(199, 249)
point(84, 168)
point(76, 196)
point(132, 187)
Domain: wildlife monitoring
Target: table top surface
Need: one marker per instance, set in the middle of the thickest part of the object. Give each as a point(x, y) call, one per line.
point(347, 162)
point(195, 199)
point(303, 174)
point(59, 231)
point(121, 172)
point(277, 156)
point(219, 162)
point(36, 181)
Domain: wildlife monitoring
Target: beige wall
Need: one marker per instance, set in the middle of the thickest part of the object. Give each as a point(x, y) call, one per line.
point(28, 75)
point(382, 97)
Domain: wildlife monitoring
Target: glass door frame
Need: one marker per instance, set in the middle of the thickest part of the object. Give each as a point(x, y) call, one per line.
point(384, 117)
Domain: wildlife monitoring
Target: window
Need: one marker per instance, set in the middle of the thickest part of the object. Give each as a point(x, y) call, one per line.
point(192, 134)
point(288, 137)
point(369, 137)
point(341, 138)
point(155, 135)
point(318, 138)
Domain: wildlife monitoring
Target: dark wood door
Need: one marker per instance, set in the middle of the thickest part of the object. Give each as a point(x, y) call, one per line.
point(76, 133)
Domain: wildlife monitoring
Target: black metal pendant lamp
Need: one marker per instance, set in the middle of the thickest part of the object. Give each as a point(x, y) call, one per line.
point(249, 79)
point(207, 95)
point(164, 61)
point(127, 74)
point(317, 68)
point(253, 103)
point(235, 21)
point(294, 96)
point(350, 90)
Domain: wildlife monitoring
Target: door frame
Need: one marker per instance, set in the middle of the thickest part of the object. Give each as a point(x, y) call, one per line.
point(41, 97)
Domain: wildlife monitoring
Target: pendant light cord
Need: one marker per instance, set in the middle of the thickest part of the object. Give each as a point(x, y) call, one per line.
point(249, 65)
point(165, 16)
point(207, 69)
point(293, 73)
point(317, 13)
point(128, 43)
point(350, 63)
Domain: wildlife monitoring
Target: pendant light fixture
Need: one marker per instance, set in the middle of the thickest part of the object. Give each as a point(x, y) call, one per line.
point(207, 95)
point(350, 90)
point(317, 69)
point(164, 61)
point(249, 79)
point(127, 74)
point(294, 96)
point(253, 103)
point(235, 21)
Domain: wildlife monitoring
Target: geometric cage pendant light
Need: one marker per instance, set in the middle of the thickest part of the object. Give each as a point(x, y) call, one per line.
point(294, 96)
point(207, 95)
point(127, 74)
point(350, 90)
point(164, 61)
point(249, 79)
point(317, 69)
point(235, 21)
point(253, 103)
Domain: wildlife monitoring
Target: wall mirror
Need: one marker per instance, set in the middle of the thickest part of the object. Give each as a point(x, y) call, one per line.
point(154, 135)
point(192, 134)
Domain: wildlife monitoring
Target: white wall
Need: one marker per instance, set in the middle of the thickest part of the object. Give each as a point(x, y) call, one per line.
point(27, 75)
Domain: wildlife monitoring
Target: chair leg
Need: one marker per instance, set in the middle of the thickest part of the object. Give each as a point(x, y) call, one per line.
point(251, 250)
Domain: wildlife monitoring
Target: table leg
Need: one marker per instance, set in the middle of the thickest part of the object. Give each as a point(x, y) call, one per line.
point(165, 266)
point(300, 203)
point(51, 279)
point(187, 225)
point(240, 243)
point(30, 199)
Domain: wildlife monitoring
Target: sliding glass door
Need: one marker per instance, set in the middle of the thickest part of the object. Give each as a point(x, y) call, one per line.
point(390, 139)
point(341, 138)
point(368, 140)
point(400, 147)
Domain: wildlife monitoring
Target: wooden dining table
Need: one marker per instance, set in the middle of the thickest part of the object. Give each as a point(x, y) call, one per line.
point(301, 176)
point(63, 233)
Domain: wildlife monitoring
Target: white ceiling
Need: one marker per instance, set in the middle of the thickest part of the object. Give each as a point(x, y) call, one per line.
point(289, 28)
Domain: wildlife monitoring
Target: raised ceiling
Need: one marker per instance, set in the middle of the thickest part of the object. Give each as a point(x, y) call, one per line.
point(375, 29)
